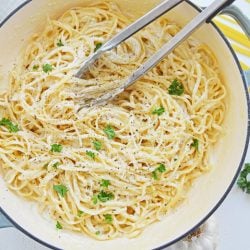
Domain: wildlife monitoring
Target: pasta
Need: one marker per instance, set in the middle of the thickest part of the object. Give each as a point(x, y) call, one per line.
point(112, 170)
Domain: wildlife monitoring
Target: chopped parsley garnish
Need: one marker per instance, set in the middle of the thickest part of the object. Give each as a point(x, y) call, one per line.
point(56, 148)
point(176, 88)
point(91, 154)
point(58, 225)
point(60, 43)
point(95, 199)
point(105, 183)
point(97, 145)
point(80, 213)
point(9, 125)
point(195, 144)
point(108, 218)
point(158, 111)
point(35, 67)
point(103, 197)
point(98, 46)
point(109, 131)
point(244, 180)
point(47, 68)
point(60, 189)
point(160, 169)
point(98, 233)
point(154, 174)
point(55, 165)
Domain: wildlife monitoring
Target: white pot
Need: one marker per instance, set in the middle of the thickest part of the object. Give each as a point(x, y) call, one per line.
point(208, 191)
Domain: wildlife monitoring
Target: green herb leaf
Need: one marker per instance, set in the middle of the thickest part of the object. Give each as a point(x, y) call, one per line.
point(97, 145)
point(176, 88)
point(35, 67)
point(80, 213)
point(55, 165)
point(60, 43)
point(95, 199)
point(58, 225)
point(60, 189)
point(109, 131)
point(195, 144)
point(105, 183)
point(47, 68)
point(98, 46)
point(160, 169)
point(158, 111)
point(56, 148)
point(105, 196)
point(9, 125)
point(91, 154)
point(154, 174)
point(108, 218)
point(98, 233)
point(243, 182)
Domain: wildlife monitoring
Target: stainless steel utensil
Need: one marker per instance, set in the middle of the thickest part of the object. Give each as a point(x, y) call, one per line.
point(161, 9)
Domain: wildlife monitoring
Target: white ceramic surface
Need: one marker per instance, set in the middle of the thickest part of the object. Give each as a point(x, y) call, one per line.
point(201, 199)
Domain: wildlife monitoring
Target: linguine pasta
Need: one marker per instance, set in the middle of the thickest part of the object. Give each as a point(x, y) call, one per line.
point(108, 171)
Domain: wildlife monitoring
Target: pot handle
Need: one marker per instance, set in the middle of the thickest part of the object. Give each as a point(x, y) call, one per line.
point(239, 16)
point(4, 222)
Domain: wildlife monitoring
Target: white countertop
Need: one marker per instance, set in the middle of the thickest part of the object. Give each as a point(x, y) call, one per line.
point(233, 216)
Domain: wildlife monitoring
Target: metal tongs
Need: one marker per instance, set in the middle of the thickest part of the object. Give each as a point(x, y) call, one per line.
point(205, 16)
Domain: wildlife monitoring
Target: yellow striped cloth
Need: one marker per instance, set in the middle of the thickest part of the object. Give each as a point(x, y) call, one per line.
point(238, 40)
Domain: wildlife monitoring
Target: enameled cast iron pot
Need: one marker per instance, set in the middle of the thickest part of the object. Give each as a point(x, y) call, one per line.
point(208, 191)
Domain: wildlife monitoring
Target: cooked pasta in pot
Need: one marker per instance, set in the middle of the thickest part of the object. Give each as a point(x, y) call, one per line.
point(112, 170)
